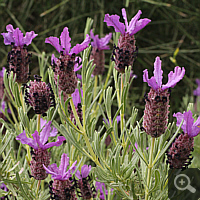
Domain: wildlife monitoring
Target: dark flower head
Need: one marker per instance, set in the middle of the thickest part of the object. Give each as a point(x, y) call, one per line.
point(97, 54)
point(40, 95)
point(64, 65)
point(125, 53)
point(179, 154)
point(18, 58)
point(133, 27)
point(85, 186)
point(157, 101)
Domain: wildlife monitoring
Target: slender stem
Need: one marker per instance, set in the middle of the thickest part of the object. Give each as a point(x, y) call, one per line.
point(21, 97)
point(150, 166)
point(122, 113)
point(94, 94)
point(38, 123)
point(75, 113)
point(38, 187)
point(83, 107)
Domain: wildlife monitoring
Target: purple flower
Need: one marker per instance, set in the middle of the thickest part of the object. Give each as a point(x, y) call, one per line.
point(136, 147)
point(85, 170)
point(156, 81)
point(189, 126)
point(39, 140)
point(65, 43)
point(3, 106)
point(16, 36)
point(197, 91)
point(100, 44)
point(100, 186)
point(76, 97)
point(53, 131)
point(2, 72)
point(61, 173)
point(133, 27)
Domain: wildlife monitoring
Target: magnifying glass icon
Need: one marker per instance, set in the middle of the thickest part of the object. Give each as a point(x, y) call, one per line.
point(182, 179)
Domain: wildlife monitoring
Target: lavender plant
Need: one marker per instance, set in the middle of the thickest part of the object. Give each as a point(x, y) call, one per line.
point(132, 166)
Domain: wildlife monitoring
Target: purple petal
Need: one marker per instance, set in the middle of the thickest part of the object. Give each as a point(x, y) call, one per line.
point(8, 38)
point(53, 59)
point(36, 137)
point(80, 47)
point(51, 169)
point(28, 38)
point(63, 164)
point(140, 25)
point(179, 118)
point(18, 36)
point(187, 116)
point(73, 167)
point(158, 71)
point(2, 72)
point(57, 143)
point(3, 105)
point(133, 22)
point(85, 170)
point(79, 76)
point(197, 91)
point(113, 20)
point(42, 122)
point(78, 61)
point(54, 41)
point(24, 140)
point(53, 132)
point(118, 118)
point(65, 41)
point(10, 28)
point(174, 78)
point(95, 39)
point(104, 41)
point(78, 174)
point(76, 97)
point(45, 133)
point(125, 17)
point(151, 82)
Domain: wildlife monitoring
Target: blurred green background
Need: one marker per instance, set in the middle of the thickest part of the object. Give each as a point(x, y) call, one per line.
point(173, 34)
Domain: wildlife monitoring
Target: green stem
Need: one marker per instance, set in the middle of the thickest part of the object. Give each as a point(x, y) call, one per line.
point(122, 113)
point(94, 94)
point(38, 187)
point(21, 97)
point(150, 166)
point(38, 123)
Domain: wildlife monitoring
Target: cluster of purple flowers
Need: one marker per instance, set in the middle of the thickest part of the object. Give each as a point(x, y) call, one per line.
point(41, 97)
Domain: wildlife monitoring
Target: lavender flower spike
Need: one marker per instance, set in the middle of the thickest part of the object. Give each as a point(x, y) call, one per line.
point(179, 154)
point(40, 155)
point(97, 54)
point(157, 101)
point(62, 183)
point(18, 57)
point(126, 51)
point(64, 65)
point(86, 188)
